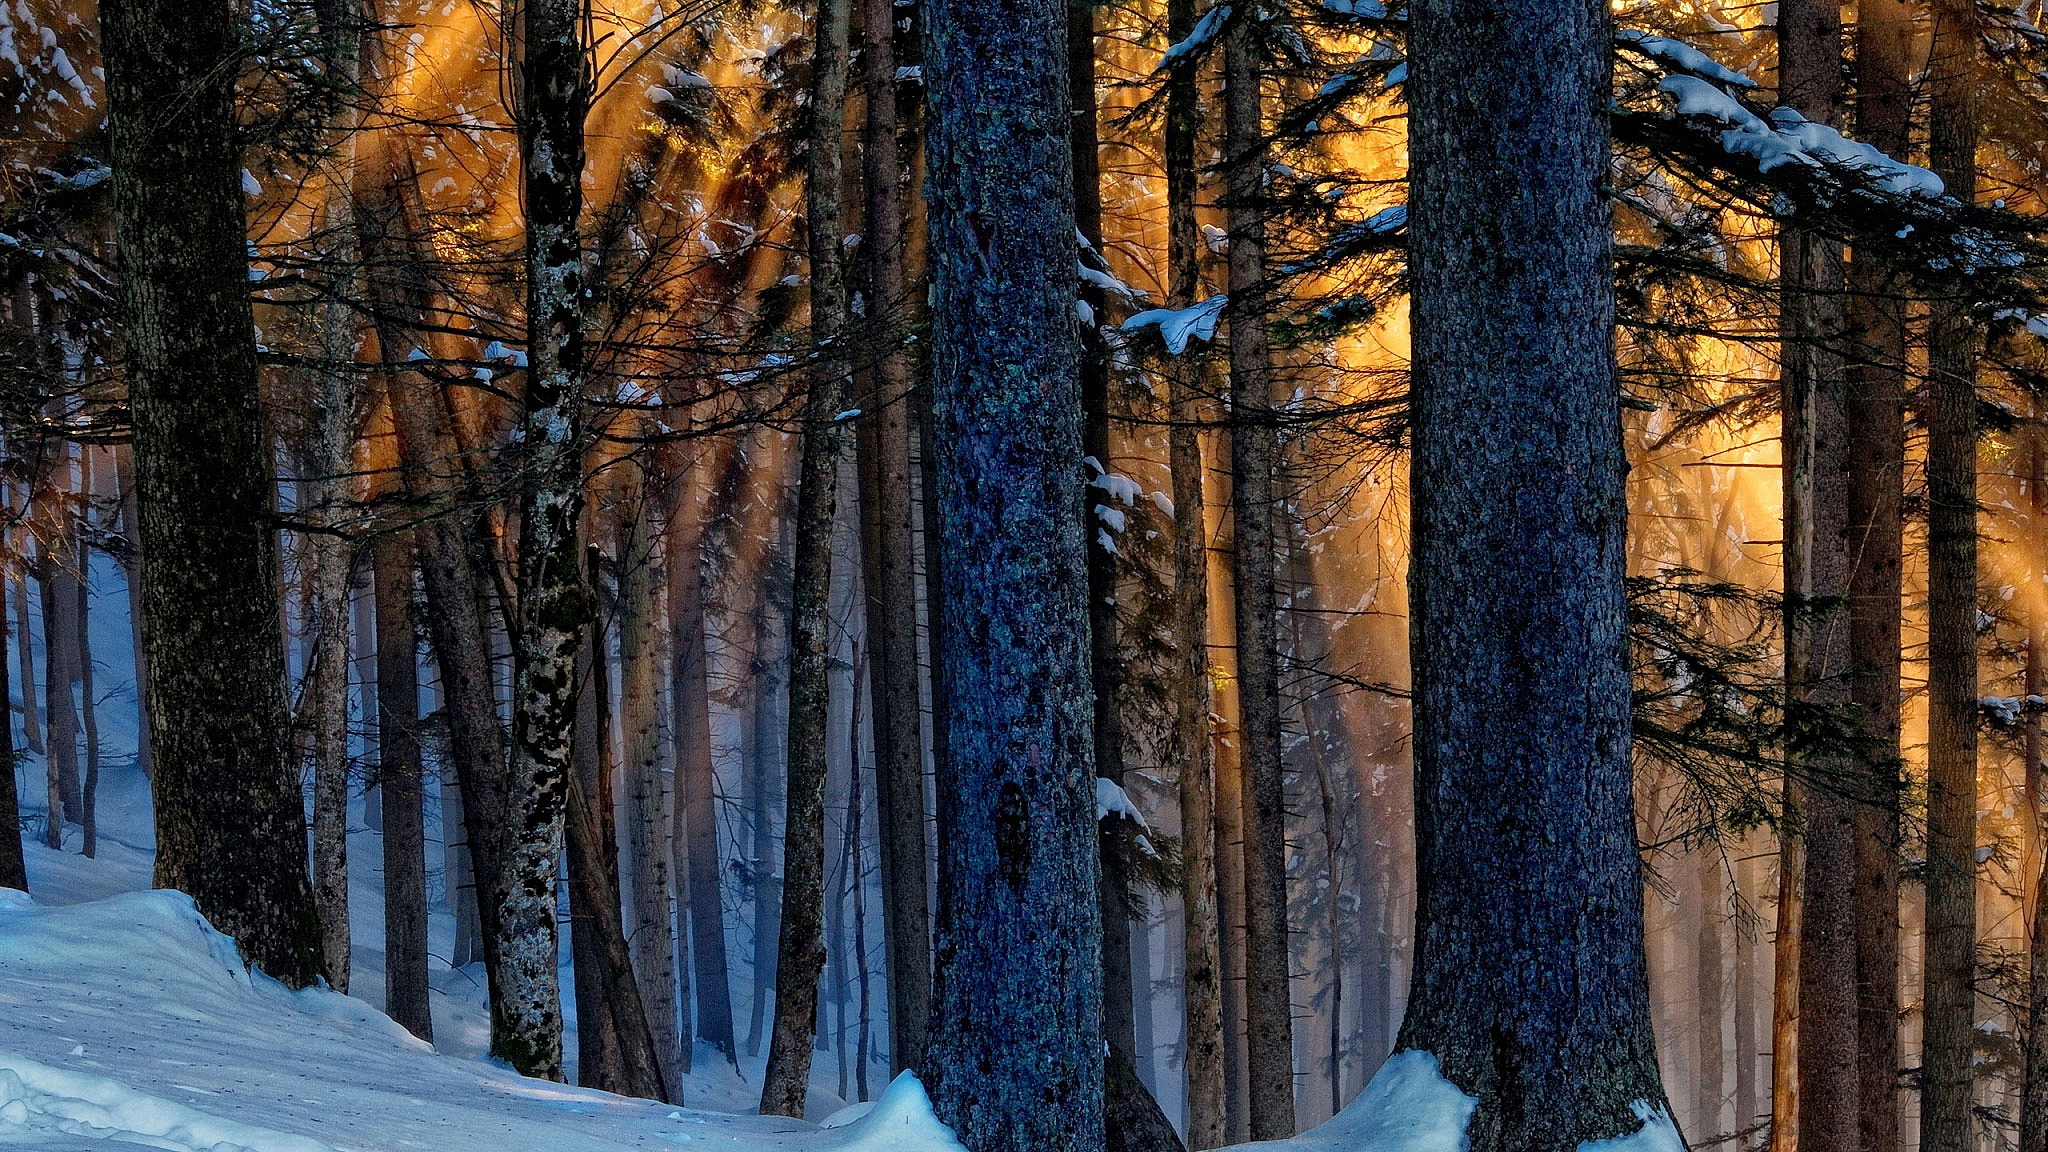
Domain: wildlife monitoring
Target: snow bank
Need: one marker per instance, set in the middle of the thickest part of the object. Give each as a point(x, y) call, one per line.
point(131, 1019)
point(1408, 1107)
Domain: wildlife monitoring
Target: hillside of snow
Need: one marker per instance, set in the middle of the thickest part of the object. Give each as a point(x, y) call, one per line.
point(130, 1018)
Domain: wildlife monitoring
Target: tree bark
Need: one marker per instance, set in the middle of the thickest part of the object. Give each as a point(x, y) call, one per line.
point(1817, 587)
point(1877, 454)
point(593, 860)
point(400, 772)
point(56, 571)
point(1201, 977)
point(1947, 1123)
point(1516, 584)
point(88, 716)
point(1015, 1059)
point(653, 937)
point(554, 605)
point(892, 570)
point(2034, 1076)
point(1254, 451)
point(13, 864)
point(230, 826)
point(800, 947)
point(696, 841)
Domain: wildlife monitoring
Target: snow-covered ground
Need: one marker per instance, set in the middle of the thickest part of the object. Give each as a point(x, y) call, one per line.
point(130, 1018)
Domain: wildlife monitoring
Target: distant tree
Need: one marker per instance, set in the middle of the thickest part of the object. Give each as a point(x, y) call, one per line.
point(1530, 982)
point(231, 827)
point(401, 775)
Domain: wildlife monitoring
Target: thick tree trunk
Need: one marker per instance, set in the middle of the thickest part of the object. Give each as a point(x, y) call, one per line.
point(697, 857)
point(1947, 1123)
point(1877, 453)
point(1015, 1057)
point(647, 799)
point(230, 825)
point(1254, 451)
point(554, 604)
point(400, 772)
point(800, 946)
point(892, 570)
point(1817, 575)
point(1202, 973)
point(1513, 319)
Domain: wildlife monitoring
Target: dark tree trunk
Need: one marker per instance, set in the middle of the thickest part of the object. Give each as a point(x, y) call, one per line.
point(2034, 1078)
point(88, 716)
point(892, 570)
point(230, 824)
point(1817, 588)
point(800, 947)
point(13, 865)
point(57, 582)
point(1015, 1054)
point(1202, 972)
point(1254, 451)
point(1947, 1122)
point(1877, 456)
point(399, 771)
point(432, 470)
point(554, 605)
point(1513, 319)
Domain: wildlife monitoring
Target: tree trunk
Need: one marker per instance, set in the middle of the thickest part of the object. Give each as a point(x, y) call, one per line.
point(1254, 450)
point(230, 825)
point(88, 716)
point(1947, 1123)
point(653, 936)
point(800, 947)
point(1201, 976)
point(892, 570)
point(1877, 453)
point(1748, 1101)
point(765, 725)
point(1015, 1059)
point(1710, 1064)
point(400, 772)
point(1511, 262)
point(436, 481)
point(1817, 575)
point(696, 835)
point(57, 581)
point(554, 605)
point(2034, 1078)
point(1785, 997)
point(31, 714)
point(593, 870)
point(131, 569)
point(13, 864)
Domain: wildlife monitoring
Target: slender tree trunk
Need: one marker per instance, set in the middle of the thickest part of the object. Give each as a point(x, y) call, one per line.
point(1511, 261)
point(131, 569)
point(1710, 1064)
point(1748, 1102)
point(1785, 997)
point(400, 771)
point(593, 870)
point(1254, 449)
point(1015, 1058)
point(696, 841)
point(1201, 977)
point(2034, 1080)
point(1230, 901)
point(766, 724)
point(1947, 1123)
point(648, 822)
point(892, 570)
point(800, 948)
point(1817, 575)
point(431, 467)
point(13, 864)
point(554, 604)
point(57, 583)
point(31, 713)
point(230, 825)
point(88, 716)
point(1877, 453)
